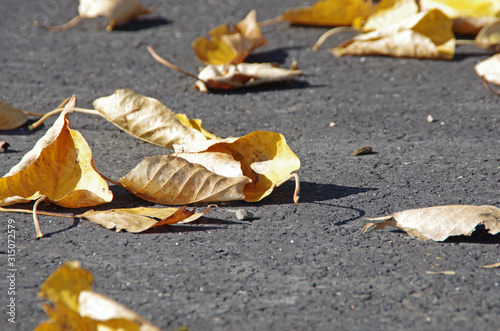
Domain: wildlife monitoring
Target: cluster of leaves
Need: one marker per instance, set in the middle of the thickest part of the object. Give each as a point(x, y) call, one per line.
point(204, 168)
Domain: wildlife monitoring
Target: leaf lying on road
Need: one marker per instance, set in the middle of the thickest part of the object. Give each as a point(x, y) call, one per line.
point(424, 35)
point(75, 307)
point(141, 218)
point(229, 76)
point(230, 45)
point(329, 13)
point(388, 12)
point(148, 119)
point(489, 36)
point(117, 11)
point(11, 117)
point(172, 180)
point(441, 222)
point(489, 71)
point(60, 166)
point(468, 16)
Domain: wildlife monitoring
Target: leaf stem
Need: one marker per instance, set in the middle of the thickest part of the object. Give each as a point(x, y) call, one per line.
point(297, 186)
point(39, 233)
point(488, 86)
point(60, 109)
point(63, 27)
point(29, 211)
point(330, 33)
point(271, 21)
point(161, 60)
point(465, 42)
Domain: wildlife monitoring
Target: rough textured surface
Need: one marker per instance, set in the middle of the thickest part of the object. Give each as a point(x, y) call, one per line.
point(304, 267)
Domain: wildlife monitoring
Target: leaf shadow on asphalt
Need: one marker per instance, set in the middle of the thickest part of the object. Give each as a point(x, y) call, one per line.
point(276, 55)
point(479, 236)
point(143, 23)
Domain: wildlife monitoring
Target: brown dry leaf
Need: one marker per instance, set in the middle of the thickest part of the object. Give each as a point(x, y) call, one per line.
point(226, 77)
point(76, 307)
point(489, 36)
point(60, 167)
point(230, 45)
point(489, 71)
point(389, 12)
point(141, 218)
point(117, 11)
point(468, 16)
point(148, 119)
point(172, 180)
point(441, 222)
point(265, 158)
point(424, 35)
point(330, 13)
point(11, 117)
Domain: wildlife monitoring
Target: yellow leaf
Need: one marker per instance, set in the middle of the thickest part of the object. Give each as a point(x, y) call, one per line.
point(172, 180)
point(148, 119)
point(141, 218)
point(424, 35)
point(468, 16)
point(230, 45)
point(195, 124)
point(63, 318)
point(11, 117)
point(264, 156)
point(388, 12)
point(226, 77)
point(66, 283)
point(60, 167)
point(330, 13)
point(441, 222)
point(117, 11)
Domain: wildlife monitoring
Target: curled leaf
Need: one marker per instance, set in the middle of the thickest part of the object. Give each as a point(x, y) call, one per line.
point(148, 119)
point(117, 11)
point(441, 222)
point(11, 117)
point(141, 218)
point(424, 35)
point(60, 166)
point(489, 36)
point(330, 13)
point(230, 45)
point(172, 180)
point(489, 71)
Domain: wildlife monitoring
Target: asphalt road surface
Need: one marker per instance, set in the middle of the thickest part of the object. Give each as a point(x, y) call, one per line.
point(305, 267)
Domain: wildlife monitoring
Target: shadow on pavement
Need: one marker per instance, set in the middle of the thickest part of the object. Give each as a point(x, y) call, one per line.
point(143, 24)
point(479, 236)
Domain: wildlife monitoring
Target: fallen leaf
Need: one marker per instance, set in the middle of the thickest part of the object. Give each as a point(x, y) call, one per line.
point(330, 13)
point(424, 35)
point(76, 307)
point(265, 158)
point(489, 71)
point(11, 117)
point(60, 167)
point(388, 12)
point(172, 180)
point(230, 45)
point(363, 151)
point(494, 265)
point(447, 272)
point(489, 36)
point(117, 11)
point(141, 218)
point(468, 16)
point(148, 119)
point(227, 77)
point(439, 223)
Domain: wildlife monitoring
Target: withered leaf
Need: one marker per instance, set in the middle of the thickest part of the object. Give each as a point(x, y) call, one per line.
point(388, 12)
point(227, 77)
point(441, 222)
point(489, 36)
point(489, 71)
point(468, 16)
point(75, 307)
point(117, 11)
point(230, 45)
point(330, 13)
point(424, 35)
point(148, 119)
point(60, 167)
point(172, 180)
point(141, 218)
point(11, 117)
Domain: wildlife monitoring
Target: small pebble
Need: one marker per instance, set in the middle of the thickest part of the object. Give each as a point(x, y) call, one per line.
point(430, 118)
point(332, 124)
point(242, 214)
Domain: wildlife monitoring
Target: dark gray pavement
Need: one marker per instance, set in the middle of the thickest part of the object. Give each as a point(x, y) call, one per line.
point(304, 267)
